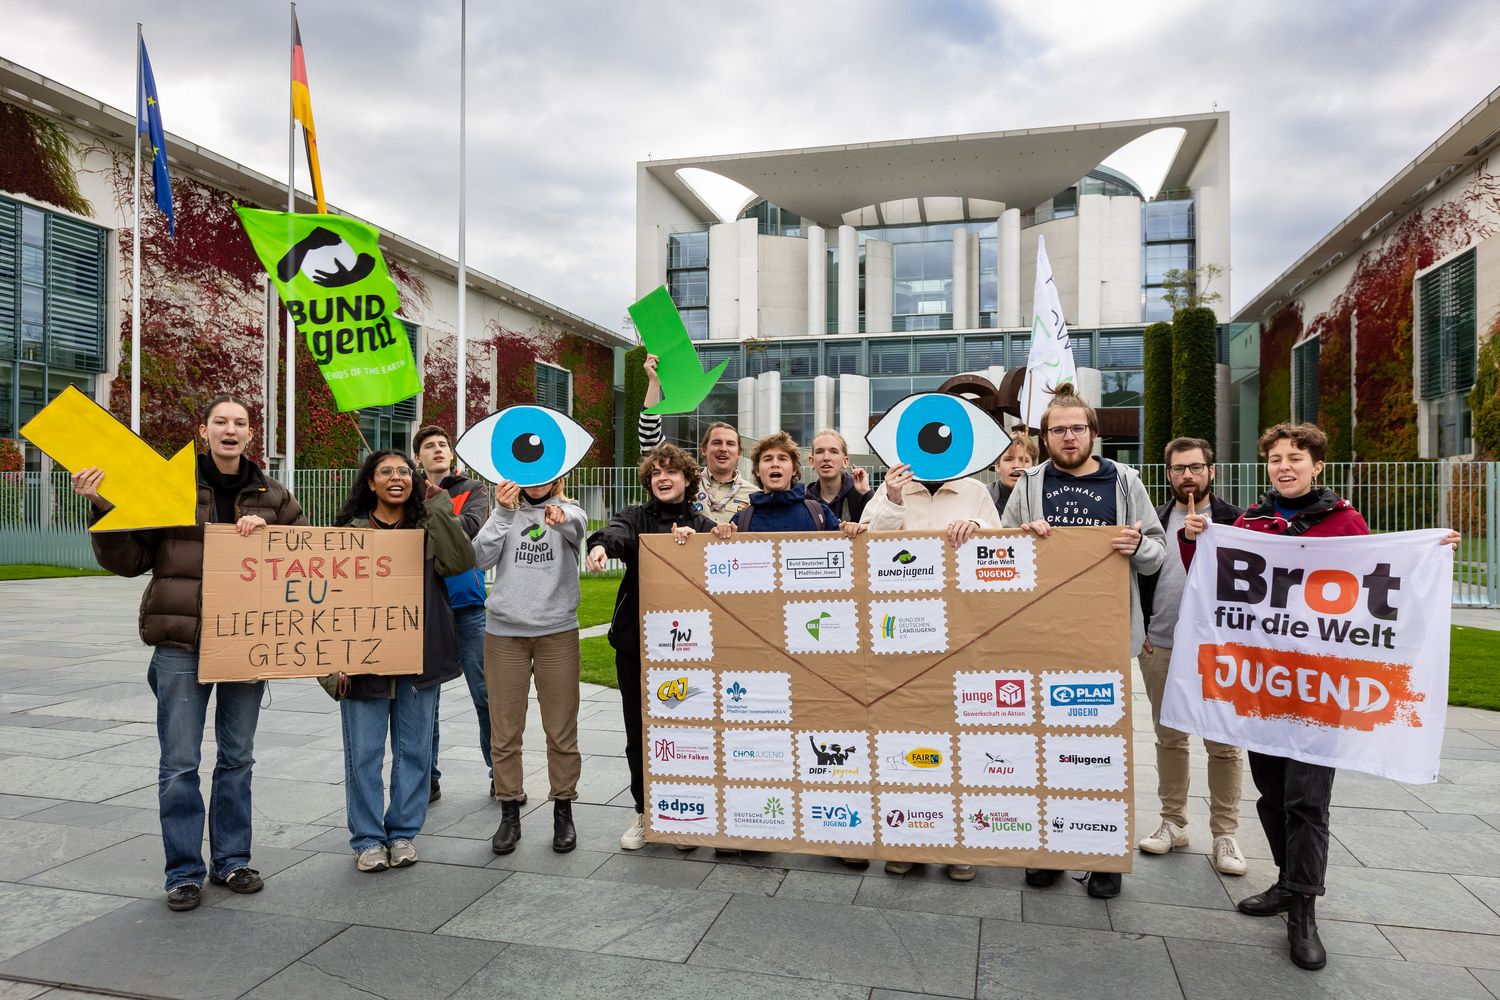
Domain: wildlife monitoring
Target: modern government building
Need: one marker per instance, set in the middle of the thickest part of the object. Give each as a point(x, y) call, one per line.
point(851, 276)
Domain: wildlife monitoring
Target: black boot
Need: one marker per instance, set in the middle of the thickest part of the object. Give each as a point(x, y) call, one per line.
point(509, 831)
point(1274, 900)
point(564, 837)
point(1302, 932)
point(1040, 878)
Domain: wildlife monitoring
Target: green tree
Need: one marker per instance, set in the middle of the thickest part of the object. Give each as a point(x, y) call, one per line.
point(1158, 395)
point(1188, 289)
point(635, 401)
point(1194, 378)
point(1484, 398)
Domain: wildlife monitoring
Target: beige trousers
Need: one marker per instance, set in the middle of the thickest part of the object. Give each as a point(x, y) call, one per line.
point(509, 665)
point(1225, 764)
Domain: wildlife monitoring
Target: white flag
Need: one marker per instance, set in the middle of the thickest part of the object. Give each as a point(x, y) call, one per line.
point(1050, 362)
point(1332, 651)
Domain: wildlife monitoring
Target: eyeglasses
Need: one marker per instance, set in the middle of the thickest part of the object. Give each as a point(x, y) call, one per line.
point(1197, 469)
point(399, 471)
point(1077, 430)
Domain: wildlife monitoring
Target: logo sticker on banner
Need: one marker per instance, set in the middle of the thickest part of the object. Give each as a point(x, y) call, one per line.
point(919, 626)
point(673, 636)
point(837, 817)
point(816, 564)
point(739, 567)
point(822, 627)
point(684, 753)
point(1332, 651)
point(916, 819)
point(998, 760)
point(1001, 821)
point(760, 812)
point(755, 696)
point(1004, 563)
point(1082, 698)
point(914, 758)
point(759, 754)
point(692, 809)
point(680, 693)
point(1087, 763)
point(992, 698)
point(904, 564)
point(1086, 826)
point(833, 757)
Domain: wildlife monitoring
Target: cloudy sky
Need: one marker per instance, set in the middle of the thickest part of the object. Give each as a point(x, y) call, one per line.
point(1327, 100)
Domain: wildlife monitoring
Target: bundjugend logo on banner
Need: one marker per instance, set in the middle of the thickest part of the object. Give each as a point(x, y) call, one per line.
point(1332, 651)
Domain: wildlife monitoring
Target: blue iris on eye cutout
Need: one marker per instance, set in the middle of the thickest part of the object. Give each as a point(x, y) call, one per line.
point(528, 445)
point(940, 436)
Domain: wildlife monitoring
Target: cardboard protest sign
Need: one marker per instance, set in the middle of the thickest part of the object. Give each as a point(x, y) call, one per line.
point(1331, 651)
point(889, 697)
point(527, 445)
point(305, 602)
point(338, 292)
point(940, 435)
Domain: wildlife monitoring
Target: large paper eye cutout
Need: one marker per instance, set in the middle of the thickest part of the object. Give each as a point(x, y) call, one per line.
point(528, 445)
point(941, 437)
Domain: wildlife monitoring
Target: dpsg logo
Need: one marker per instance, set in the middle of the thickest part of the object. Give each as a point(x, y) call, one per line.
point(680, 810)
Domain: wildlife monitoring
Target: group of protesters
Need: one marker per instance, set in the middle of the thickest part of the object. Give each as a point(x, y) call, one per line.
point(523, 628)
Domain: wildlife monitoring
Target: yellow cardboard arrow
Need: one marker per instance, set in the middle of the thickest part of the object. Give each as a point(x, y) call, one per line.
point(147, 490)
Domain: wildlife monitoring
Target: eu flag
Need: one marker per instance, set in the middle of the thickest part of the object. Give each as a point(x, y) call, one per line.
point(148, 122)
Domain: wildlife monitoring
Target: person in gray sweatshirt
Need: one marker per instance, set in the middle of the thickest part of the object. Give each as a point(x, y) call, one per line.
point(532, 541)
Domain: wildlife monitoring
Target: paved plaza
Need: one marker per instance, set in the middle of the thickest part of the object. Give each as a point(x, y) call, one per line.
point(1413, 906)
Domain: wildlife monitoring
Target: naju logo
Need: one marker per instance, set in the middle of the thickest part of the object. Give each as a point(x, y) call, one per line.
point(736, 692)
point(998, 766)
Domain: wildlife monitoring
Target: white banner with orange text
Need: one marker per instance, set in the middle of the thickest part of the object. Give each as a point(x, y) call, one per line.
point(1331, 651)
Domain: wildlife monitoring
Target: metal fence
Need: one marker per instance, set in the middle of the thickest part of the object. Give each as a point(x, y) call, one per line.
point(42, 521)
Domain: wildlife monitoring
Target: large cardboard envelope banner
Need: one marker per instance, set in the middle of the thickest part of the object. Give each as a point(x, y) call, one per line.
point(305, 602)
point(881, 699)
point(1331, 651)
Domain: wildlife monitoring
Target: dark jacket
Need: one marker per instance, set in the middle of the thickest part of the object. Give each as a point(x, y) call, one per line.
point(446, 551)
point(621, 539)
point(172, 607)
point(471, 504)
point(1000, 493)
point(1220, 512)
point(1327, 515)
point(786, 510)
point(849, 503)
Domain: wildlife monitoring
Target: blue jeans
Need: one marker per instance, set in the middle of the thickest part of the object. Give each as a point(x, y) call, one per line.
point(408, 719)
point(470, 625)
point(181, 708)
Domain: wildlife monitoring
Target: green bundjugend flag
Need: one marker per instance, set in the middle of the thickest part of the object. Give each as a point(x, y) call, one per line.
point(337, 290)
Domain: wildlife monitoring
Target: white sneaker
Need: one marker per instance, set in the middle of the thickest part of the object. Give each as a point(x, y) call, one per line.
point(372, 859)
point(402, 854)
point(1167, 836)
point(1227, 856)
point(634, 838)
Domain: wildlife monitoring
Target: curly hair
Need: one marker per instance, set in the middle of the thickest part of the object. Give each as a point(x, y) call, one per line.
point(361, 502)
point(672, 459)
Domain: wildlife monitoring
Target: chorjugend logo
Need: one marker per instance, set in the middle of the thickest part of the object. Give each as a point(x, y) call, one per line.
point(836, 817)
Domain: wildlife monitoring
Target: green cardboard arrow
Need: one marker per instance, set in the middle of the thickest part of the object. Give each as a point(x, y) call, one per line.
point(684, 384)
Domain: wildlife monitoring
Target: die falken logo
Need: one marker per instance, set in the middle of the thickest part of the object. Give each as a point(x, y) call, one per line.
point(668, 750)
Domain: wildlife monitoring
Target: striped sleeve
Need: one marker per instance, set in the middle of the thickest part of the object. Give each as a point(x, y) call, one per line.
point(648, 430)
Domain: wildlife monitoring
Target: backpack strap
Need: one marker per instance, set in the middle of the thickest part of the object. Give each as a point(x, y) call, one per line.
point(742, 518)
point(816, 510)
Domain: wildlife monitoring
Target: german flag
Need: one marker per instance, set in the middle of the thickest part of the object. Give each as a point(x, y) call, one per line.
point(302, 112)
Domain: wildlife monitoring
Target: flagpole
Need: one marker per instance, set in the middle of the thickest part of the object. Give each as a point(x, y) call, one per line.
point(135, 256)
point(463, 280)
point(291, 206)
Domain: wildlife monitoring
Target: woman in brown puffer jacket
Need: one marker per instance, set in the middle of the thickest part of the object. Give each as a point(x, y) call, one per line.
point(231, 490)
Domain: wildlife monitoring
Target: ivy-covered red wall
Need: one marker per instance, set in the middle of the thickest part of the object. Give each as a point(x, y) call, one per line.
point(1378, 298)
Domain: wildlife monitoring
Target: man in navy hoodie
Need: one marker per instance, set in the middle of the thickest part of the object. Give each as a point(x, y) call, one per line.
point(466, 594)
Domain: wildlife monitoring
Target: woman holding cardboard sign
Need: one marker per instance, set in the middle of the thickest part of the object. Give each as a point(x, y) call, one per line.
point(385, 497)
point(231, 490)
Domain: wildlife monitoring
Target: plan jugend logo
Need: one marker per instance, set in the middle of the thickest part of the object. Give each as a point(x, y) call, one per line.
point(836, 817)
point(1246, 578)
point(905, 566)
point(1081, 700)
point(998, 821)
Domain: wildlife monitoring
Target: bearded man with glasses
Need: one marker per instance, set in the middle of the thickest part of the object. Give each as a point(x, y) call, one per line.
point(1190, 476)
point(1073, 487)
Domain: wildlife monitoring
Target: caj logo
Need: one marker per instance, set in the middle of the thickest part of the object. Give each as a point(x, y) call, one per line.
point(675, 689)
